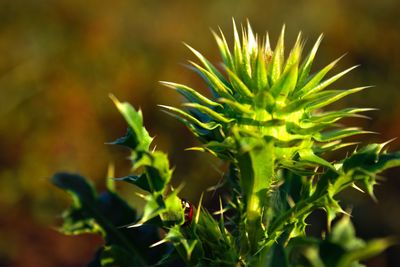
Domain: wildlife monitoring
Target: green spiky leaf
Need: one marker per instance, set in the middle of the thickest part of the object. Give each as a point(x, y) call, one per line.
point(138, 135)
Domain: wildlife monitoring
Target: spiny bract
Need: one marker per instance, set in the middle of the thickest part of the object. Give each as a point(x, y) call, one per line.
point(261, 94)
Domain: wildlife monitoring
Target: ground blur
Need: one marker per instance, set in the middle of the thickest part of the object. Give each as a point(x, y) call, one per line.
point(60, 60)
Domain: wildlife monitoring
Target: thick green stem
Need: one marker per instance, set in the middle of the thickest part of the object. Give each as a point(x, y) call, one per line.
point(256, 165)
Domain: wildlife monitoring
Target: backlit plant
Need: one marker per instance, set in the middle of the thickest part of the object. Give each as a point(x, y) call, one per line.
point(264, 119)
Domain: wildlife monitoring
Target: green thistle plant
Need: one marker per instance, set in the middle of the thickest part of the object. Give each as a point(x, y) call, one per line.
point(264, 118)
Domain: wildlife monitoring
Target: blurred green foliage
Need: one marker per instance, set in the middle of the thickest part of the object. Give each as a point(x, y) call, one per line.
point(60, 59)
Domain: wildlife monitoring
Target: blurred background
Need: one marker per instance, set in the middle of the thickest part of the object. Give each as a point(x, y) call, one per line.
point(60, 60)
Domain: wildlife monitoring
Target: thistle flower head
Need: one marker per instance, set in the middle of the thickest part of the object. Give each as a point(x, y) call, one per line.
point(260, 93)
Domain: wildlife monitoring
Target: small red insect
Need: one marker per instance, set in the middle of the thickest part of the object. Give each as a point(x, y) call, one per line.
point(188, 211)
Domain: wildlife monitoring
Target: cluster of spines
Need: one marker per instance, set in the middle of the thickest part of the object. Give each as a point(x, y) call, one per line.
point(260, 93)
